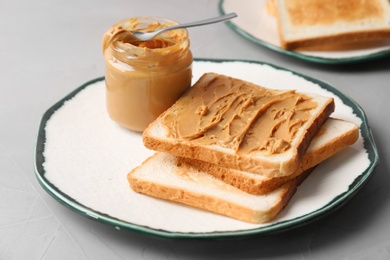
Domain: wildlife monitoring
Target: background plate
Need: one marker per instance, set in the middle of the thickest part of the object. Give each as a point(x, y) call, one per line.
point(82, 160)
point(255, 24)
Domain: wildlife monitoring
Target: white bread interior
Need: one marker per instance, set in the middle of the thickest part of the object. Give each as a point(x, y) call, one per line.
point(164, 176)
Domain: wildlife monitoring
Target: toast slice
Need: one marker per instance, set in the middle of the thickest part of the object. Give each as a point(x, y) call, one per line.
point(333, 136)
point(164, 176)
point(240, 125)
point(307, 23)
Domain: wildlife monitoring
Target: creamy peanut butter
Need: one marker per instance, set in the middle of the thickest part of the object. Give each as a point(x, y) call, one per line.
point(239, 115)
point(143, 79)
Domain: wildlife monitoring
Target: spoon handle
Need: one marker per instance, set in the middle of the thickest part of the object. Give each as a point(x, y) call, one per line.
point(146, 36)
point(203, 22)
point(207, 21)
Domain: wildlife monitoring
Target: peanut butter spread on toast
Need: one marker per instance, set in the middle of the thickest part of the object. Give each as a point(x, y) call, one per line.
point(323, 12)
point(239, 115)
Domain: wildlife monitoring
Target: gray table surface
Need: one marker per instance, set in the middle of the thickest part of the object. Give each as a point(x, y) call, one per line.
point(48, 48)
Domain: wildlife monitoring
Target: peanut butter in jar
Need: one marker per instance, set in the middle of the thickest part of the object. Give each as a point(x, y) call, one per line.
point(143, 79)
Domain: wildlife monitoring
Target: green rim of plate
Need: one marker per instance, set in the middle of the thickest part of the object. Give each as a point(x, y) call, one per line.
point(369, 145)
point(250, 37)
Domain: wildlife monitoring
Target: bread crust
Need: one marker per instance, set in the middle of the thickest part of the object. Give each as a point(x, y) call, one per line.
point(239, 179)
point(351, 37)
point(213, 204)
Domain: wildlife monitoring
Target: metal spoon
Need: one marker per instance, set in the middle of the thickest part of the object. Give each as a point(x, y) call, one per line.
point(147, 36)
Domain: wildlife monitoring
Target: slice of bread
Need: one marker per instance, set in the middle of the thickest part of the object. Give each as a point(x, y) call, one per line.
point(164, 176)
point(333, 136)
point(306, 23)
point(255, 120)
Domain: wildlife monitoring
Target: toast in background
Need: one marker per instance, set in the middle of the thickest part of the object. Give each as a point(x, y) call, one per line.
point(333, 136)
point(218, 121)
point(307, 23)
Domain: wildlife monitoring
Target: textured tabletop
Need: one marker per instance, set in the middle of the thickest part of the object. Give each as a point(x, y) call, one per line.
point(49, 48)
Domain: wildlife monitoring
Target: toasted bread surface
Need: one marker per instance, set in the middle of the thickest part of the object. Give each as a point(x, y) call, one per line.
point(307, 23)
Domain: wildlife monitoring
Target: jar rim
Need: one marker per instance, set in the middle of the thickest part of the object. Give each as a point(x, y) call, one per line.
point(143, 23)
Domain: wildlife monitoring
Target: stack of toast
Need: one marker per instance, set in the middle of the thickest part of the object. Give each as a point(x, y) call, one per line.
point(238, 149)
point(309, 23)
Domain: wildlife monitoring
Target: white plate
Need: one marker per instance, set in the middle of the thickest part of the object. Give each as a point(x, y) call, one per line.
point(82, 160)
point(257, 25)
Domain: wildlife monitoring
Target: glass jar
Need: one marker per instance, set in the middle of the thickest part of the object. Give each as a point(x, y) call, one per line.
point(143, 79)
